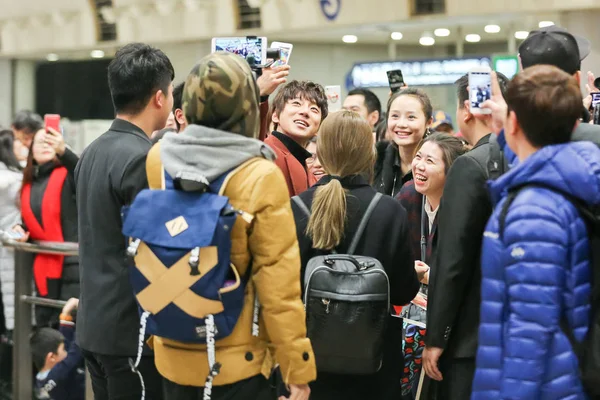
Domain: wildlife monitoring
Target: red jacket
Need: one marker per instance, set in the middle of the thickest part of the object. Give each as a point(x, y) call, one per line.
point(296, 177)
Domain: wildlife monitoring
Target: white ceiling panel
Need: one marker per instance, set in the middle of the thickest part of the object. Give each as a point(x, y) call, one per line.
point(12, 9)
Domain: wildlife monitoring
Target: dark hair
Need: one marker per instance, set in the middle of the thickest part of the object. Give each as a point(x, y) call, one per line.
point(419, 95)
point(161, 133)
point(463, 82)
point(177, 101)
point(452, 147)
point(305, 90)
point(371, 100)
point(44, 341)
point(381, 127)
point(547, 103)
point(7, 150)
point(27, 121)
point(29, 171)
point(178, 96)
point(137, 72)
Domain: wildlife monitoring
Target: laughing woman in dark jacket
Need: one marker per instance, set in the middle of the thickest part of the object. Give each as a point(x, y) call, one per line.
point(49, 213)
point(409, 118)
point(338, 202)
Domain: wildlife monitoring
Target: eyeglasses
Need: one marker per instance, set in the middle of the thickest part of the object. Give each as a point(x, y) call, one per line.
point(312, 158)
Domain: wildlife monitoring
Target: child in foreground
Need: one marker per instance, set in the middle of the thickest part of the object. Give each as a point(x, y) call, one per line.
point(59, 360)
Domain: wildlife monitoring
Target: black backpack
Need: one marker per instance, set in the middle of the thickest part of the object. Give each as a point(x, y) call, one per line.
point(587, 351)
point(347, 301)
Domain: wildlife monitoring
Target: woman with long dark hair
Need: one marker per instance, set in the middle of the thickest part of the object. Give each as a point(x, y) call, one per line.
point(49, 213)
point(338, 202)
point(409, 118)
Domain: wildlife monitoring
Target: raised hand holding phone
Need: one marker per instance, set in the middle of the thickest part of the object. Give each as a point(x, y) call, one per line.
point(480, 89)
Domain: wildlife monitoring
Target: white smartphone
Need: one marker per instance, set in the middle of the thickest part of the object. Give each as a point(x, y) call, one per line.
point(480, 89)
point(286, 52)
point(334, 98)
point(247, 46)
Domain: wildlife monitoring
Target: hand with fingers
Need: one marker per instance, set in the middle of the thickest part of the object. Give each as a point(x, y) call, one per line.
point(55, 140)
point(271, 78)
point(498, 106)
point(431, 359)
point(297, 392)
point(24, 236)
point(591, 88)
point(422, 271)
point(72, 304)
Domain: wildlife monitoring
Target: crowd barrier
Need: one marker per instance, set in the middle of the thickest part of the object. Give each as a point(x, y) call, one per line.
point(22, 362)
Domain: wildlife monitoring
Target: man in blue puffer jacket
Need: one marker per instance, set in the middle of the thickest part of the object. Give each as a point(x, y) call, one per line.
point(537, 271)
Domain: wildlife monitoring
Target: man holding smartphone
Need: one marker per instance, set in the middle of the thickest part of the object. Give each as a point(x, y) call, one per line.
point(454, 291)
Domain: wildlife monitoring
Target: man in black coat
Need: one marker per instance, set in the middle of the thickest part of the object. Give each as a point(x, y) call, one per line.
point(110, 173)
point(454, 292)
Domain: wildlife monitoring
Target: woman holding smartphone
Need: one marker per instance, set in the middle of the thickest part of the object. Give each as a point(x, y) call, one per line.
point(410, 116)
point(49, 213)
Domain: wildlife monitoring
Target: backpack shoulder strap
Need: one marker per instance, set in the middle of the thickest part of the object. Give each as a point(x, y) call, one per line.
point(154, 168)
point(302, 205)
point(496, 164)
point(363, 223)
point(512, 195)
point(222, 183)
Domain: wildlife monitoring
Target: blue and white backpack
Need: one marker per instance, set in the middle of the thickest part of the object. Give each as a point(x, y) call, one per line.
point(180, 242)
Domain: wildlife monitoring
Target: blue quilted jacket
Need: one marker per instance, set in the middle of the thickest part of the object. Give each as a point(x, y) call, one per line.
point(538, 273)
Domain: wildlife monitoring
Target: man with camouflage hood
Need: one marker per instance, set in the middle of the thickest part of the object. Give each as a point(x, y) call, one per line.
point(221, 104)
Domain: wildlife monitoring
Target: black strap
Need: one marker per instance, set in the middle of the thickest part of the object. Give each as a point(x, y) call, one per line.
point(363, 223)
point(496, 165)
point(361, 226)
point(424, 221)
point(302, 205)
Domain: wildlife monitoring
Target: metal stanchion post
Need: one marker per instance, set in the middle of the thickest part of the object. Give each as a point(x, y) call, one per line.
point(22, 363)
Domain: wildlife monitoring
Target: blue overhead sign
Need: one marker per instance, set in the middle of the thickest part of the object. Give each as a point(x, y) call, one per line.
point(443, 71)
point(331, 8)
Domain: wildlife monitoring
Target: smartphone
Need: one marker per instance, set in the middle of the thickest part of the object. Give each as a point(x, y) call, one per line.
point(52, 121)
point(595, 99)
point(334, 97)
point(286, 52)
point(480, 89)
point(395, 79)
point(13, 235)
point(247, 46)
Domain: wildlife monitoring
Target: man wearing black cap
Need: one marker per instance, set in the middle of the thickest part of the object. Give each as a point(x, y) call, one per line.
point(555, 46)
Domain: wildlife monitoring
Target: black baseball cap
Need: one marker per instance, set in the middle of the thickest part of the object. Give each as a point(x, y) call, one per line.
point(553, 45)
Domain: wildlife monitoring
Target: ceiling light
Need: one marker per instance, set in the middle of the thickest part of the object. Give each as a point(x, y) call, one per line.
point(544, 24)
point(522, 35)
point(397, 35)
point(97, 54)
point(349, 39)
point(473, 38)
point(492, 28)
point(441, 32)
point(52, 57)
point(427, 41)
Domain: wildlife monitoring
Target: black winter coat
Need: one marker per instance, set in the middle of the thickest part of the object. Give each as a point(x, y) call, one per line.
point(388, 171)
point(386, 239)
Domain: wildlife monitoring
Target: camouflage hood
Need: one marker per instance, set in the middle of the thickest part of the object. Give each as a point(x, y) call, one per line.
point(221, 92)
point(203, 154)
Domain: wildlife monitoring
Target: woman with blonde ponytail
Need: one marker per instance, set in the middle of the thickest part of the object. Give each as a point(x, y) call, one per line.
point(337, 203)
